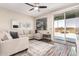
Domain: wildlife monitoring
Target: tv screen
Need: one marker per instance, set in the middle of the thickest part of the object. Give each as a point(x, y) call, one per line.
point(15, 26)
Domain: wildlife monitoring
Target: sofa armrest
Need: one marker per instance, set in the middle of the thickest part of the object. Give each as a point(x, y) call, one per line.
point(12, 46)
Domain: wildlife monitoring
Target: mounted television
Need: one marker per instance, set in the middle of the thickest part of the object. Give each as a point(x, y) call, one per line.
point(15, 26)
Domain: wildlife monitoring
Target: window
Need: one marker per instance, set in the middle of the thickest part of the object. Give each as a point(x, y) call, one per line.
point(59, 16)
point(72, 14)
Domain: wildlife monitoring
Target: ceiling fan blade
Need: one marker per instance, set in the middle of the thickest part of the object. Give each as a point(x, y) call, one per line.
point(31, 9)
point(29, 4)
point(42, 6)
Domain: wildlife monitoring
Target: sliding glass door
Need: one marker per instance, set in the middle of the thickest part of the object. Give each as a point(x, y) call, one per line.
point(72, 28)
point(71, 25)
point(59, 26)
point(65, 26)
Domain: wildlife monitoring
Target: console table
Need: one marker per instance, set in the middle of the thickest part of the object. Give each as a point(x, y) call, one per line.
point(47, 36)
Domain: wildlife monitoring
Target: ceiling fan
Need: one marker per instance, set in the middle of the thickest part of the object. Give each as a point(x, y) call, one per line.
point(36, 6)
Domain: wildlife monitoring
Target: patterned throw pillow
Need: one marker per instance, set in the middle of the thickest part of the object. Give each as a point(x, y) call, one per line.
point(14, 35)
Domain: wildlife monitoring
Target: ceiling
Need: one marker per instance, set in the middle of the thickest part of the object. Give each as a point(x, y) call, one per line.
point(23, 8)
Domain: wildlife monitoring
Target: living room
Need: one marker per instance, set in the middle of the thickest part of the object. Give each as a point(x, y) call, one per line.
point(28, 29)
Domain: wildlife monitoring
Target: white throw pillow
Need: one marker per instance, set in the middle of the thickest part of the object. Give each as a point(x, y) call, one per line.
point(20, 32)
point(1, 35)
point(4, 38)
point(7, 36)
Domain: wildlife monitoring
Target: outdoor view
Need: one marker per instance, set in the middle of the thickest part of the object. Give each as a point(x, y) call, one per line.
point(65, 27)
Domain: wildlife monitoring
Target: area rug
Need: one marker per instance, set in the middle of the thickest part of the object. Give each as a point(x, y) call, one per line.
point(39, 48)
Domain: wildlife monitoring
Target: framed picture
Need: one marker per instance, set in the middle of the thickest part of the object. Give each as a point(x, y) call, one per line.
point(41, 24)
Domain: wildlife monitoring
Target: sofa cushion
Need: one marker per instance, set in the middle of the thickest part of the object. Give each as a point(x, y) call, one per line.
point(26, 32)
point(14, 35)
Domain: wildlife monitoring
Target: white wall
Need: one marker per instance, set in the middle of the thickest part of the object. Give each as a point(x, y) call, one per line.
point(6, 16)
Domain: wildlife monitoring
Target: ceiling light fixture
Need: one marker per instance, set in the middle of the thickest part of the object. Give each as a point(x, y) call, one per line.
point(35, 8)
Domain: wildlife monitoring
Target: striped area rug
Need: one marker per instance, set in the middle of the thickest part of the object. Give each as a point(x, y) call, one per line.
point(39, 48)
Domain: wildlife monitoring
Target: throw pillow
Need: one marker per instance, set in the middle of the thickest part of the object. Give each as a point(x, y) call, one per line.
point(6, 36)
point(14, 35)
point(1, 35)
